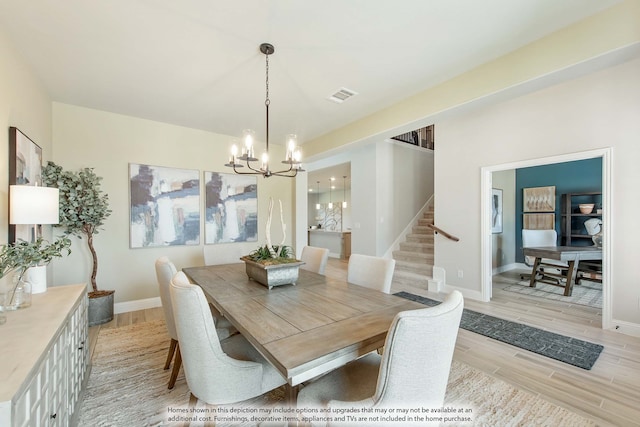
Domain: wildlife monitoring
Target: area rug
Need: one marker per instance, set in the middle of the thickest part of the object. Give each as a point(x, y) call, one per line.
point(587, 293)
point(573, 351)
point(128, 387)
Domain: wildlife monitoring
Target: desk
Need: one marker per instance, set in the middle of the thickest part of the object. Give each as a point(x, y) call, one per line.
point(306, 329)
point(569, 254)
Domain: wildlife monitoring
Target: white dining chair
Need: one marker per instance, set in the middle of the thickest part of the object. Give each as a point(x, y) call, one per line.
point(315, 259)
point(371, 272)
point(217, 372)
point(412, 372)
point(165, 270)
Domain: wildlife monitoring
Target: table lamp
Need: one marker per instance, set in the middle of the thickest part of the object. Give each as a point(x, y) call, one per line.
point(34, 205)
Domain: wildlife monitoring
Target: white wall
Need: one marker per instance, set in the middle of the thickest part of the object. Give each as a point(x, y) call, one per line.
point(595, 111)
point(503, 244)
point(109, 142)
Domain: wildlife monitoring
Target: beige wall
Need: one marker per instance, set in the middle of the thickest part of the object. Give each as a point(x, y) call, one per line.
point(592, 112)
point(23, 104)
point(503, 244)
point(109, 142)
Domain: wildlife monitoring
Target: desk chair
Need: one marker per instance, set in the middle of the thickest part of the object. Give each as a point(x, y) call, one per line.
point(371, 272)
point(549, 270)
point(217, 372)
point(315, 259)
point(411, 373)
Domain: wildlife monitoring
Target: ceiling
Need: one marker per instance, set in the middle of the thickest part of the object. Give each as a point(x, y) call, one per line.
point(196, 63)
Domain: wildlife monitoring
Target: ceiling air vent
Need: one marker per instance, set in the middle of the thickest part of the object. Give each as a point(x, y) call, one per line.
point(341, 95)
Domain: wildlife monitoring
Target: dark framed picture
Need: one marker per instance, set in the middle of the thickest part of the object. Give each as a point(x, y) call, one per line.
point(25, 168)
point(496, 210)
point(164, 206)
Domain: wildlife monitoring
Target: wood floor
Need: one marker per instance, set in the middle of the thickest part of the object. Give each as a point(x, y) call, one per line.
point(609, 393)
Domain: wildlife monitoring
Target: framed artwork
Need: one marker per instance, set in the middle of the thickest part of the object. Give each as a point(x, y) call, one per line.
point(25, 168)
point(231, 208)
point(164, 206)
point(496, 210)
point(539, 199)
point(539, 221)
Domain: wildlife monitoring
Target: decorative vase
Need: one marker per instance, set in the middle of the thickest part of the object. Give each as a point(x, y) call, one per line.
point(274, 274)
point(15, 293)
point(37, 277)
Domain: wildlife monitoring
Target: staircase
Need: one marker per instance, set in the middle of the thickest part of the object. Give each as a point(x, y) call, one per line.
point(414, 260)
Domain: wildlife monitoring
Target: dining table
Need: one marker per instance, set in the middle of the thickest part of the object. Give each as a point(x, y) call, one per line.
point(572, 255)
point(303, 330)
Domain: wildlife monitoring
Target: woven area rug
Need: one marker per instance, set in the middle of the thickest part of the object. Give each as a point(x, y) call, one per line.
point(128, 387)
point(573, 351)
point(587, 293)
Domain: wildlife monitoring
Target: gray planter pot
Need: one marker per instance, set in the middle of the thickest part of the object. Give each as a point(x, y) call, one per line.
point(100, 310)
point(272, 275)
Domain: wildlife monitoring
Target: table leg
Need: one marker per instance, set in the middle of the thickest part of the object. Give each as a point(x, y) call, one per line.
point(534, 271)
point(568, 289)
point(292, 398)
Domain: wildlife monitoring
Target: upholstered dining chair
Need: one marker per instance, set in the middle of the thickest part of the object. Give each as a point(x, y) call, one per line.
point(165, 270)
point(371, 272)
point(412, 372)
point(315, 259)
point(217, 372)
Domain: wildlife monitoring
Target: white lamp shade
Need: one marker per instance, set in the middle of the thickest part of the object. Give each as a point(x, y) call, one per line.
point(33, 205)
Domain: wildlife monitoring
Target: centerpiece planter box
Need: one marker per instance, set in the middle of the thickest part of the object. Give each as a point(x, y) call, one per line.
point(271, 275)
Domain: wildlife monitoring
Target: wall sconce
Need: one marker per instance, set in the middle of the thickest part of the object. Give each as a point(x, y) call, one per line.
point(32, 205)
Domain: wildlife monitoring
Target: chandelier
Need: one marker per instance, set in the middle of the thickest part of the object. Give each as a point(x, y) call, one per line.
point(292, 157)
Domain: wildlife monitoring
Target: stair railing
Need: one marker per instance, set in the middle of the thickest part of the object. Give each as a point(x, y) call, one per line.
point(437, 230)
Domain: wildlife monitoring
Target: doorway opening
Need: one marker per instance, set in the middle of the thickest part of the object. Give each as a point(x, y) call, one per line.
point(486, 206)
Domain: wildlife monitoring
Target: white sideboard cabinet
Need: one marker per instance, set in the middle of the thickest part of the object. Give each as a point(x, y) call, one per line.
point(44, 359)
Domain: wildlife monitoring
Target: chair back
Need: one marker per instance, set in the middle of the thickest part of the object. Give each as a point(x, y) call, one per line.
point(212, 376)
point(371, 272)
point(165, 270)
point(534, 238)
point(415, 365)
point(315, 259)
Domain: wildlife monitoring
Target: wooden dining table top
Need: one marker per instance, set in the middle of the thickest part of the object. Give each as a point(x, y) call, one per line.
point(305, 329)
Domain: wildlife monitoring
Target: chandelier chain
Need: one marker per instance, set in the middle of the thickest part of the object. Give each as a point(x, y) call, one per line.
point(267, 101)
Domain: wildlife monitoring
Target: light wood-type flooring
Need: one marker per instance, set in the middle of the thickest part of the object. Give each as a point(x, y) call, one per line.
point(609, 393)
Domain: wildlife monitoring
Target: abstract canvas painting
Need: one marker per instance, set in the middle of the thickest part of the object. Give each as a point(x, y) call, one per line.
point(231, 208)
point(25, 168)
point(165, 206)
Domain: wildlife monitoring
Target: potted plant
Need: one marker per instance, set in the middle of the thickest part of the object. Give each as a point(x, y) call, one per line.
point(83, 210)
point(21, 257)
point(273, 265)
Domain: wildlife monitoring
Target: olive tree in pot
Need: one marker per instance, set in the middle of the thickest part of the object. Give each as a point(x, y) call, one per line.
point(83, 210)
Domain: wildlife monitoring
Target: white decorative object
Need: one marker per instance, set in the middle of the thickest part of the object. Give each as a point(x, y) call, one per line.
point(593, 226)
point(37, 276)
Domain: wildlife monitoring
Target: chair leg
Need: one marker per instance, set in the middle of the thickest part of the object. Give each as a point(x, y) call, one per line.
point(172, 349)
point(176, 368)
point(192, 405)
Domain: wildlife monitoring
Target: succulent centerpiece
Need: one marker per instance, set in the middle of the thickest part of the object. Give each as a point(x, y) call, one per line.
point(273, 265)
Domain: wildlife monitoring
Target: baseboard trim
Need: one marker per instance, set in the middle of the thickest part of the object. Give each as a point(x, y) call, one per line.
point(626, 328)
point(141, 304)
point(503, 268)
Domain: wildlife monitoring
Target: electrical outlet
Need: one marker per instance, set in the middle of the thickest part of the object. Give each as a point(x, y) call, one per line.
point(460, 274)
